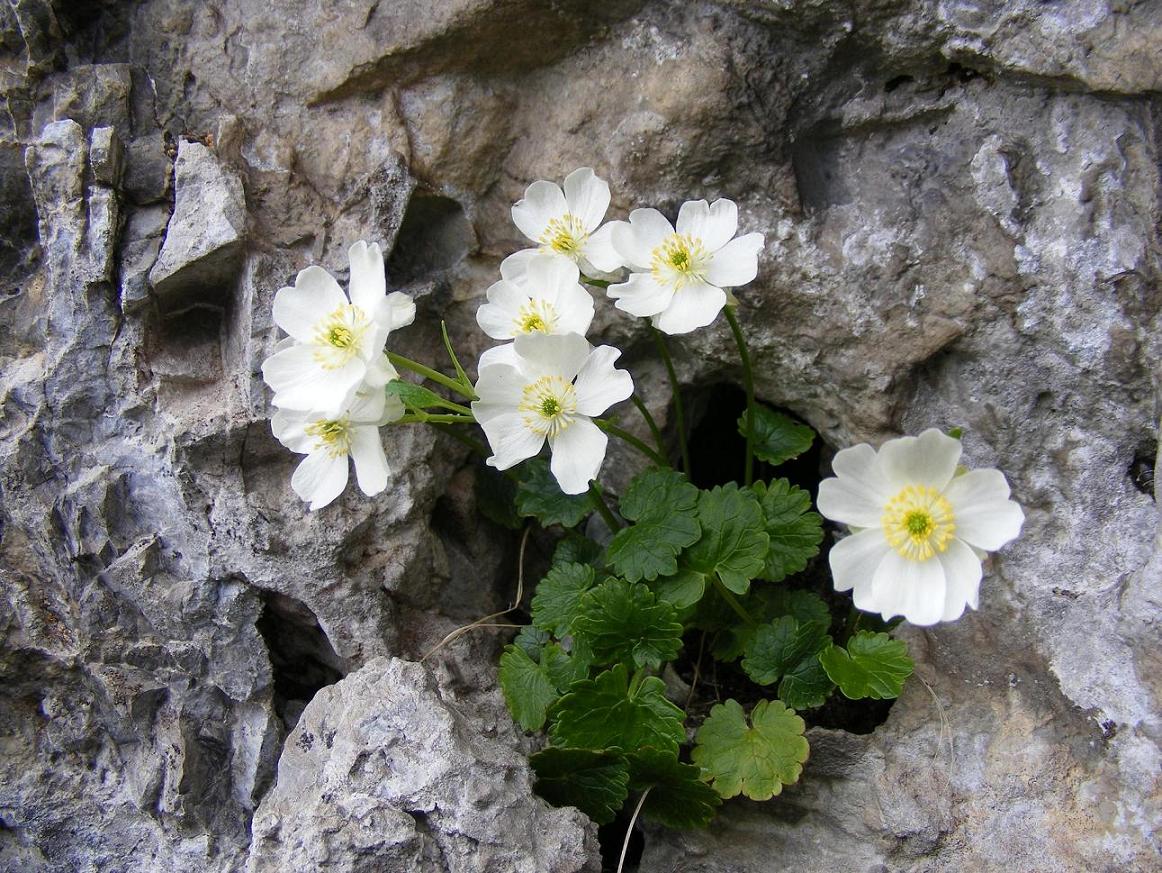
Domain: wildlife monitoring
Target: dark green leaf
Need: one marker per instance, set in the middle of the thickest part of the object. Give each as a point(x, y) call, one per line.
point(531, 640)
point(778, 646)
point(769, 602)
point(495, 497)
point(576, 549)
point(873, 665)
point(624, 622)
point(733, 543)
point(806, 685)
point(683, 589)
point(596, 782)
point(539, 495)
point(663, 505)
point(415, 397)
point(527, 688)
point(558, 597)
point(795, 533)
point(678, 797)
point(755, 759)
point(564, 668)
point(600, 713)
point(777, 438)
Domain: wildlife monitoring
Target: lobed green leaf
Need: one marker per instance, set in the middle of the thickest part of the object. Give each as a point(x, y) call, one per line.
point(794, 532)
point(873, 665)
point(777, 438)
point(594, 781)
point(664, 506)
point(755, 759)
point(678, 797)
point(625, 623)
point(538, 495)
point(806, 685)
point(526, 687)
point(733, 543)
point(777, 647)
point(601, 713)
point(415, 397)
point(557, 600)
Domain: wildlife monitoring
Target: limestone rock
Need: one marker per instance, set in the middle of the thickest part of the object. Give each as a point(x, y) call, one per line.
point(384, 773)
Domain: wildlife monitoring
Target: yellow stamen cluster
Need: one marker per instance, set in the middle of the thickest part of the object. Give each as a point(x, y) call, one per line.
point(679, 259)
point(536, 316)
point(332, 435)
point(918, 522)
point(564, 235)
point(548, 405)
point(339, 336)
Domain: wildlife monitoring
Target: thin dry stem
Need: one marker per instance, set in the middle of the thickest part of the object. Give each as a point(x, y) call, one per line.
point(629, 830)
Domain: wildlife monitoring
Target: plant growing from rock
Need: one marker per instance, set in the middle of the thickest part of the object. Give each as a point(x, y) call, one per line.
point(633, 582)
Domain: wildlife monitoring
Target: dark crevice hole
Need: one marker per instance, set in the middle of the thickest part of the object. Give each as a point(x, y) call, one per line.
point(895, 82)
point(1141, 470)
point(434, 236)
point(611, 838)
point(302, 659)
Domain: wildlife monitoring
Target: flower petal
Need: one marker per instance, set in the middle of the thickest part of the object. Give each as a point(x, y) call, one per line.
point(587, 197)
point(498, 355)
point(977, 486)
point(510, 440)
point(315, 295)
point(714, 225)
point(600, 251)
point(368, 281)
point(929, 459)
point(694, 306)
point(640, 295)
point(636, 241)
point(290, 429)
point(578, 452)
point(498, 316)
point(736, 263)
point(320, 478)
point(400, 311)
point(548, 275)
point(989, 526)
point(599, 385)
point(913, 589)
point(860, 466)
point(371, 470)
point(860, 493)
point(855, 559)
point(543, 354)
point(367, 406)
point(300, 383)
point(515, 265)
point(962, 573)
point(543, 201)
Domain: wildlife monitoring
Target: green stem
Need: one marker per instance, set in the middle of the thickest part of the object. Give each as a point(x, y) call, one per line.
point(679, 414)
point(597, 498)
point(636, 682)
point(455, 407)
point(596, 283)
point(610, 428)
point(428, 373)
point(731, 600)
point(650, 423)
point(462, 376)
point(432, 418)
point(748, 382)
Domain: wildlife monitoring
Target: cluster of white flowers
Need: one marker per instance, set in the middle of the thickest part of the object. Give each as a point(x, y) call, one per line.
point(549, 382)
point(328, 376)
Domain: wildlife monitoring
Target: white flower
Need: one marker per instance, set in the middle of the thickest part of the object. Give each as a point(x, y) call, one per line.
point(922, 529)
point(545, 298)
point(328, 440)
point(338, 343)
point(545, 386)
point(677, 275)
point(564, 223)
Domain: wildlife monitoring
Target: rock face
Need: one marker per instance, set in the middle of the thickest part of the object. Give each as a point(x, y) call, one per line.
point(961, 207)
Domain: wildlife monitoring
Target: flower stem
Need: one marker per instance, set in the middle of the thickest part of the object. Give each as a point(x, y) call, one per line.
point(731, 600)
point(748, 382)
point(679, 415)
point(636, 681)
point(432, 418)
point(462, 377)
point(610, 428)
point(653, 425)
point(597, 498)
point(436, 376)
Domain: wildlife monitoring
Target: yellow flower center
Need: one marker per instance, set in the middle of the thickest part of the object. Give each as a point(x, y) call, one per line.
point(536, 316)
point(680, 258)
point(918, 522)
point(548, 405)
point(338, 337)
point(331, 434)
point(564, 235)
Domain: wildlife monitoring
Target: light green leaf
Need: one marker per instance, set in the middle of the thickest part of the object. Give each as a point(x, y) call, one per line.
point(678, 797)
point(624, 622)
point(539, 495)
point(683, 589)
point(415, 397)
point(596, 782)
point(527, 688)
point(775, 648)
point(777, 438)
point(600, 713)
point(558, 597)
point(873, 665)
point(755, 759)
point(795, 533)
point(806, 685)
point(733, 543)
point(663, 505)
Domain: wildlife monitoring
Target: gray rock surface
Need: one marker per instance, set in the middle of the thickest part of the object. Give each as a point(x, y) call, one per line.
point(961, 206)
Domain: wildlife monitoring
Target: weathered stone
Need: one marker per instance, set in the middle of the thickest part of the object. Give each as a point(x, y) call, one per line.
point(106, 156)
point(383, 772)
point(203, 241)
